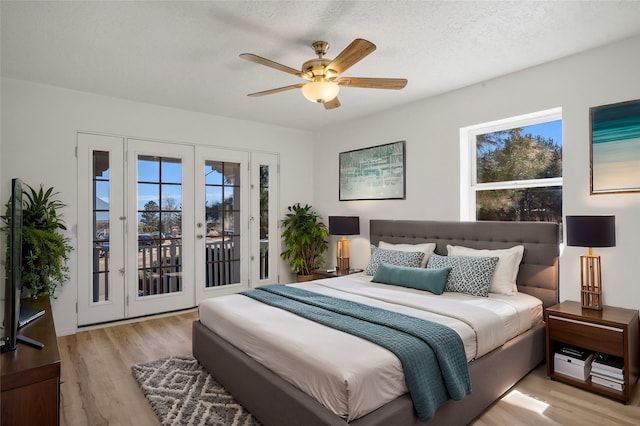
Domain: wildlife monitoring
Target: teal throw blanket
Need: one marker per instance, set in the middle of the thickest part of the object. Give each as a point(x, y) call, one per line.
point(432, 355)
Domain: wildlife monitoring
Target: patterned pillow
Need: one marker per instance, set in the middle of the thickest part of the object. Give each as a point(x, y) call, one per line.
point(392, 257)
point(504, 277)
point(427, 248)
point(469, 275)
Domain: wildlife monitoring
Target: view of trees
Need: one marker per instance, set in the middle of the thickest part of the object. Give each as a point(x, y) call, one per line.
point(154, 220)
point(217, 211)
point(150, 217)
point(511, 155)
point(222, 180)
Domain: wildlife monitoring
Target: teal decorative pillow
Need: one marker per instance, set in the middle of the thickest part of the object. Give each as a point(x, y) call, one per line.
point(469, 275)
point(432, 280)
point(393, 257)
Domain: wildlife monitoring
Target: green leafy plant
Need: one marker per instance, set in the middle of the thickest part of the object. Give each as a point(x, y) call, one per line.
point(45, 251)
point(304, 236)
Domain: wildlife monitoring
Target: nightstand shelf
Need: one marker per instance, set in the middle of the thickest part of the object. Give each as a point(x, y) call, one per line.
point(612, 331)
point(323, 273)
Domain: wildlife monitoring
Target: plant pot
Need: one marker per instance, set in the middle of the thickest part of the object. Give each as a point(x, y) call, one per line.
point(303, 278)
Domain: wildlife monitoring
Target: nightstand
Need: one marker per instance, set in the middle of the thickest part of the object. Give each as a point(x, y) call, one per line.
point(612, 331)
point(322, 273)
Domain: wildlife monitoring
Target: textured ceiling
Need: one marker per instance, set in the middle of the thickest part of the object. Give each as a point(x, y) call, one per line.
point(184, 54)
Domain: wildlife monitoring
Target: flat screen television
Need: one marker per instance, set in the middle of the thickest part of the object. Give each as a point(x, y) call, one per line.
point(14, 316)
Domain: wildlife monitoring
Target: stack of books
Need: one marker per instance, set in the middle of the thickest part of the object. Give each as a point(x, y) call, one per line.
point(573, 362)
point(608, 371)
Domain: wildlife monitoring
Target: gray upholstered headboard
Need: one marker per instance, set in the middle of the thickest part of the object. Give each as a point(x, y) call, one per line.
point(538, 274)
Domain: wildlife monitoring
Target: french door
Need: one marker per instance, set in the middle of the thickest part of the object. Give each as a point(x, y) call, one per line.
point(239, 198)
point(263, 219)
point(159, 269)
point(101, 228)
point(162, 226)
point(221, 221)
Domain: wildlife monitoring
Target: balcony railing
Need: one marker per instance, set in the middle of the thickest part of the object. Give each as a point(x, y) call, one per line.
point(160, 267)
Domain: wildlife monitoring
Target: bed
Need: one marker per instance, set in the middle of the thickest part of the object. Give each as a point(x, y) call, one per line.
point(276, 401)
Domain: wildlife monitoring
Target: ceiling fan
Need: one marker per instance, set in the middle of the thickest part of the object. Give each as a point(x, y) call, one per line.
point(323, 74)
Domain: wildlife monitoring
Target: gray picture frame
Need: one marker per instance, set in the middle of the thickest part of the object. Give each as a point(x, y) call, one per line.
point(373, 173)
point(615, 147)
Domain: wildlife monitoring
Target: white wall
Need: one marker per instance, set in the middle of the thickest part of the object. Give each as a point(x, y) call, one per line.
point(39, 125)
point(431, 129)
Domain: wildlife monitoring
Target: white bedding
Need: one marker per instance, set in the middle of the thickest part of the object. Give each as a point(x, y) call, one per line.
point(347, 374)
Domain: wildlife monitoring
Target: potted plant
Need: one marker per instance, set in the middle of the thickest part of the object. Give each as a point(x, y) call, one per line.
point(45, 252)
point(304, 236)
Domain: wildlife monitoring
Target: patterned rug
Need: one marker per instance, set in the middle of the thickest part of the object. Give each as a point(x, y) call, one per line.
point(181, 392)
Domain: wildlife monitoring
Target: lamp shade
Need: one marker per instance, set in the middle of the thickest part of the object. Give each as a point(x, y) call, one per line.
point(344, 225)
point(591, 231)
point(320, 91)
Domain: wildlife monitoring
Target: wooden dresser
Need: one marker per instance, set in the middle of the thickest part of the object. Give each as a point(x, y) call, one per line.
point(31, 377)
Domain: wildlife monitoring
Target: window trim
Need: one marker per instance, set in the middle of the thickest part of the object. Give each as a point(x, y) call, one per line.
point(468, 163)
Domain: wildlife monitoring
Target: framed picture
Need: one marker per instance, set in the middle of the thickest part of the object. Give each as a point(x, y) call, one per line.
point(375, 173)
point(615, 147)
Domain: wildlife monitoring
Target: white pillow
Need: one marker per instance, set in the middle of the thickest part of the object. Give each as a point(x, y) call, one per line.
point(506, 272)
point(427, 248)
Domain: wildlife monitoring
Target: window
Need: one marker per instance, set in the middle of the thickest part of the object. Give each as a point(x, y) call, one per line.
point(511, 169)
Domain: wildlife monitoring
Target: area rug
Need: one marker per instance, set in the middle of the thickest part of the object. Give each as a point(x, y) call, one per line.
point(181, 392)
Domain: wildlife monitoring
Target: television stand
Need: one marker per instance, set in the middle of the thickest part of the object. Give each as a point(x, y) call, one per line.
point(29, 341)
point(30, 381)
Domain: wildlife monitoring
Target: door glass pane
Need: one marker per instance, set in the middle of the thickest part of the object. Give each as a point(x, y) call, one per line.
point(213, 173)
point(159, 225)
point(171, 170)
point(264, 222)
point(100, 256)
point(150, 201)
point(222, 212)
point(232, 173)
point(148, 168)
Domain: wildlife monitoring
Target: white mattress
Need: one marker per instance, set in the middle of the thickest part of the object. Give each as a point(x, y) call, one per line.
point(347, 374)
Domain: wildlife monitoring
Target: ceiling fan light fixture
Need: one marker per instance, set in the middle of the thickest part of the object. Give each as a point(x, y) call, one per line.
point(322, 75)
point(320, 91)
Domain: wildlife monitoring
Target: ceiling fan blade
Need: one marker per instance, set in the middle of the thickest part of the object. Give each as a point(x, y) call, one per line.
point(357, 50)
point(269, 63)
point(333, 103)
point(278, 90)
point(373, 83)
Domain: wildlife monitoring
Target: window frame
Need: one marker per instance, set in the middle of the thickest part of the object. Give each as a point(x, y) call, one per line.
point(468, 161)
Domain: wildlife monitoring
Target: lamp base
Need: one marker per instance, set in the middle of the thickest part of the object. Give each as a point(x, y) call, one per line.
point(343, 265)
point(342, 256)
point(591, 282)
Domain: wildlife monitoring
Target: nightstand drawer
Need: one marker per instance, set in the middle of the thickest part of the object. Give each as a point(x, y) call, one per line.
point(600, 338)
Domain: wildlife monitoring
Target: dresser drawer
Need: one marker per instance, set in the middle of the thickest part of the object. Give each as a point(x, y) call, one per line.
point(599, 338)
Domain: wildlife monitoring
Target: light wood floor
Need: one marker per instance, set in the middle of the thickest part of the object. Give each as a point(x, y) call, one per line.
point(99, 389)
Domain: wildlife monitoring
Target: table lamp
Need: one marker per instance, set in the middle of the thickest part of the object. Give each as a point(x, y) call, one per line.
point(343, 225)
point(591, 231)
